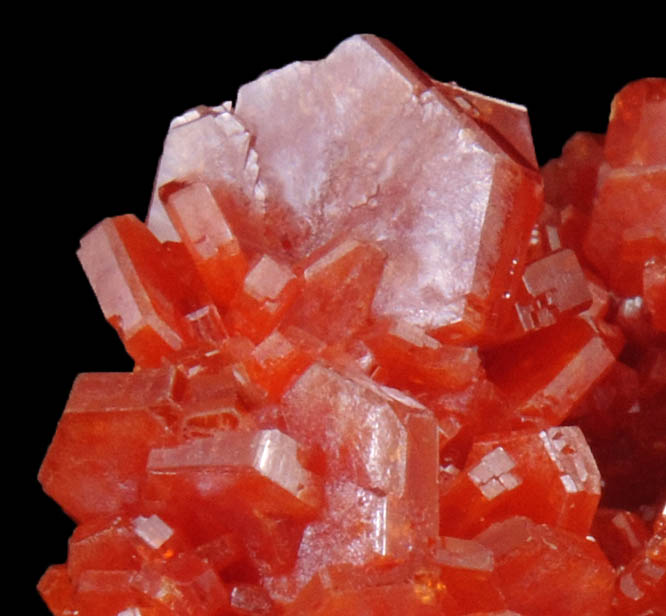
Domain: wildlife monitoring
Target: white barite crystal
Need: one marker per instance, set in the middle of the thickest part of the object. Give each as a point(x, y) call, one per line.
point(153, 530)
point(493, 474)
point(208, 144)
point(568, 451)
point(130, 611)
point(362, 143)
point(384, 444)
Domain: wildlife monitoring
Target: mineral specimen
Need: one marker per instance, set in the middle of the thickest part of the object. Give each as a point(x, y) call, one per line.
point(376, 371)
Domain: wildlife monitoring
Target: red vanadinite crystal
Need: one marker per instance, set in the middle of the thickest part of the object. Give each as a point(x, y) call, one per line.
point(383, 364)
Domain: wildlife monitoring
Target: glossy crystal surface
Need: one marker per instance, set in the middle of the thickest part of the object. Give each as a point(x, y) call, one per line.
point(383, 363)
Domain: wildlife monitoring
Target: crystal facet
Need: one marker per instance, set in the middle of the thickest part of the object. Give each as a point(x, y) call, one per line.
point(383, 364)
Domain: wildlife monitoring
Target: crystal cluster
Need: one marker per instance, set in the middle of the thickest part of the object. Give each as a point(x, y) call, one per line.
point(383, 363)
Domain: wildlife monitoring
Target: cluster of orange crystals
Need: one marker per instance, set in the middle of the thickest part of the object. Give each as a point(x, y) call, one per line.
point(384, 364)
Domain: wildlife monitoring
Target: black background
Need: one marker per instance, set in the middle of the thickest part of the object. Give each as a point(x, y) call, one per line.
point(96, 101)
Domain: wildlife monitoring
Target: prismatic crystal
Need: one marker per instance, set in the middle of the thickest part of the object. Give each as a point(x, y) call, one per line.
point(384, 364)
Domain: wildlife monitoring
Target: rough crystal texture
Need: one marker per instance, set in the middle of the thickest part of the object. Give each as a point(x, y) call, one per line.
point(375, 373)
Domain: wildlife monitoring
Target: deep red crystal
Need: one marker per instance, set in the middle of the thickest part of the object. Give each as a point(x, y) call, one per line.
point(375, 372)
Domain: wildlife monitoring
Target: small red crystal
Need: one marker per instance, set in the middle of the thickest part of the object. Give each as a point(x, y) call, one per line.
point(374, 371)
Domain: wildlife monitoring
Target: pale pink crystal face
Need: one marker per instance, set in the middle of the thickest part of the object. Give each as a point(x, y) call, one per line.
point(363, 144)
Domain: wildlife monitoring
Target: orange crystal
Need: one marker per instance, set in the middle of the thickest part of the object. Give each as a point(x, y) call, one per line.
point(374, 371)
